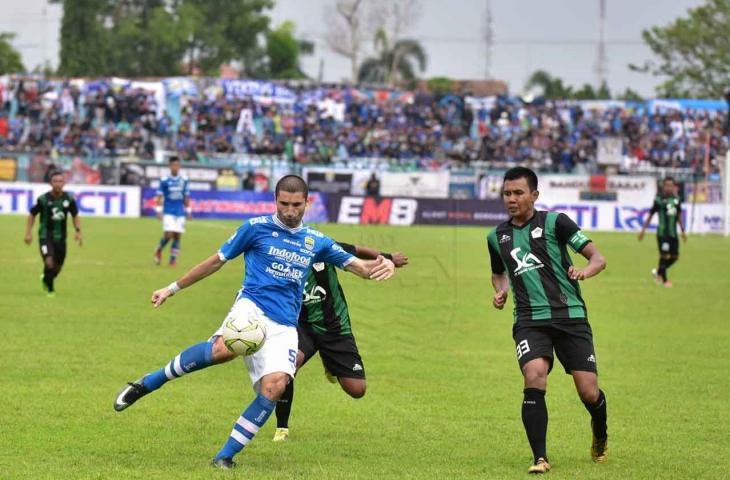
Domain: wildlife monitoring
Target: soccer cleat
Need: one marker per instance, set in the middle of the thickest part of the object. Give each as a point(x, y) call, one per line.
point(281, 435)
point(540, 466)
point(158, 257)
point(668, 284)
point(51, 295)
point(599, 449)
point(330, 378)
point(130, 394)
point(655, 276)
point(173, 263)
point(223, 463)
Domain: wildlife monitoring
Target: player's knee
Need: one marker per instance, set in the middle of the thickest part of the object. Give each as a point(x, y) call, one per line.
point(535, 378)
point(273, 385)
point(588, 394)
point(355, 389)
point(221, 354)
point(300, 359)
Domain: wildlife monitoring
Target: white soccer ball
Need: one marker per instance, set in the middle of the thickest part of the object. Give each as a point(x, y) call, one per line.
point(244, 335)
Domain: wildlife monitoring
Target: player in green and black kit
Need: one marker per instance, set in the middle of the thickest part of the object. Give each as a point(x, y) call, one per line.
point(324, 327)
point(54, 207)
point(669, 208)
point(529, 253)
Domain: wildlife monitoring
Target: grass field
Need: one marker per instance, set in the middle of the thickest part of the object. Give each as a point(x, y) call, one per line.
point(444, 388)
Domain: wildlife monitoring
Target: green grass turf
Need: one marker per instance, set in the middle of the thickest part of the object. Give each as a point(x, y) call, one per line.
point(444, 388)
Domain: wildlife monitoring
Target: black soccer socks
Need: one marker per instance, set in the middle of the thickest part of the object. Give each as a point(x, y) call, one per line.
point(535, 420)
point(283, 406)
point(598, 415)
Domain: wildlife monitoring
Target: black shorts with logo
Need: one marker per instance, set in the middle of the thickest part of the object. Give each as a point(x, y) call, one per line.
point(668, 245)
point(338, 352)
point(55, 250)
point(572, 341)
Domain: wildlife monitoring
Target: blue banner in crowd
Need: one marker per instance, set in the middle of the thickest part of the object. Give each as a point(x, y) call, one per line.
point(237, 205)
point(258, 90)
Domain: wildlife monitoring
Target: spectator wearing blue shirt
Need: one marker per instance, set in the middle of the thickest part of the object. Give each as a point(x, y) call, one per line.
point(278, 252)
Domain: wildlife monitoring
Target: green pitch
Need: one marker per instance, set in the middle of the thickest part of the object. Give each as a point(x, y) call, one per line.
point(444, 388)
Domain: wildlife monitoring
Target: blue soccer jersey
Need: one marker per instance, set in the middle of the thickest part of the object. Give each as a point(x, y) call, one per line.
point(173, 191)
point(277, 259)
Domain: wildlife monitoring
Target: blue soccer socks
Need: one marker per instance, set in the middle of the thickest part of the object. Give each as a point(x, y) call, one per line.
point(174, 250)
point(250, 421)
point(163, 243)
point(195, 358)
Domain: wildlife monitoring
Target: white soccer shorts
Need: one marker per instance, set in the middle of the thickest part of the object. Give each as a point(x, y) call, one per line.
point(173, 223)
point(279, 353)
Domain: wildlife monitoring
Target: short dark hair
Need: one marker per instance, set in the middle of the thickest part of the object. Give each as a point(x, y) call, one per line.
point(522, 172)
point(291, 184)
point(173, 158)
point(53, 173)
point(669, 179)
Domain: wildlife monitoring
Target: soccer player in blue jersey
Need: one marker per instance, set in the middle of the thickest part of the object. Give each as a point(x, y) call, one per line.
point(173, 207)
point(279, 250)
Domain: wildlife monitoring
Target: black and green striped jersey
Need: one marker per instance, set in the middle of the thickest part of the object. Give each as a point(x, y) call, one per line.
point(669, 210)
point(53, 214)
point(324, 307)
point(537, 261)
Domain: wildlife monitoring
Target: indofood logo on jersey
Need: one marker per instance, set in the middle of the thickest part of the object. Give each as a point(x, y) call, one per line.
point(525, 264)
point(289, 256)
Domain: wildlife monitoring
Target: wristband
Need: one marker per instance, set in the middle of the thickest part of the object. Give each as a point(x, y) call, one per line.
point(189, 210)
point(387, 255)
point(158, 209)
point(173, 288)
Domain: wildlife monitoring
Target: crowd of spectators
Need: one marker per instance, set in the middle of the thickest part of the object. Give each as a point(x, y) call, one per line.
point(551, 136)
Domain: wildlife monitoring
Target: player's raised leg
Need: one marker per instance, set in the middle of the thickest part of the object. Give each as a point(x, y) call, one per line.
point(586, 383)
point(192, 359)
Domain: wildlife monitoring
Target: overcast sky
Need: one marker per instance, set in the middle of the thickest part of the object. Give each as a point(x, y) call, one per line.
point(559, 36)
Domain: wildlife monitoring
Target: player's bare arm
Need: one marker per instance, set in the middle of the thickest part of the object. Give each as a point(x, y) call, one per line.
point(367, 253)
point(77, 226)
point(205, 268)
point(188, 208)
point(596, 264)
point(158, 207)
point(29, 229)
point(645, 226)
point(379, 269)
point(681, 227)
point(500, 282)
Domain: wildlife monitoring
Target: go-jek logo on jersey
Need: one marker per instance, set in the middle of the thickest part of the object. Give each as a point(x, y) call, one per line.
point(293, 257)
point(286, 272)
point(526, 263)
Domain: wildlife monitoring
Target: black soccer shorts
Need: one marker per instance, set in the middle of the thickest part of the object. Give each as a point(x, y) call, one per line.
point(338, 352)
point(668, 245)
point(571, 341)
point(55, 250)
